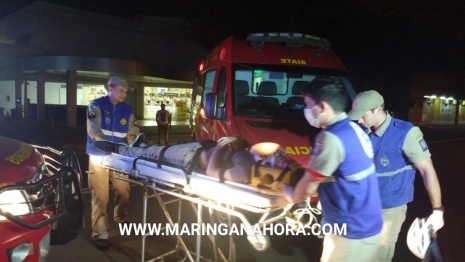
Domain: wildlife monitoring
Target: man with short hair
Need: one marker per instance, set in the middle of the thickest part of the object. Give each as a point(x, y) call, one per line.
point(108, 118)
point(163, 117)
point(341, 169)
point(400, 150)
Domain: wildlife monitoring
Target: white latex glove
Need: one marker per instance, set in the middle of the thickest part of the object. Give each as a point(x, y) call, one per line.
point(224, 141)
point(436, 220)
point(288, 191)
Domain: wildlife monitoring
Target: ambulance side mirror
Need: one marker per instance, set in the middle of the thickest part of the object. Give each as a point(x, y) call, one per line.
point(211, 107)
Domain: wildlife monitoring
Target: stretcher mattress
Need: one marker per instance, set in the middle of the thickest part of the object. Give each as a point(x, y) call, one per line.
point(196, 183)
point(230, 192)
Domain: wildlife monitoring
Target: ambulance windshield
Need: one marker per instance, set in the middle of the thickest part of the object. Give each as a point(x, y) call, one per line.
point(275, 91)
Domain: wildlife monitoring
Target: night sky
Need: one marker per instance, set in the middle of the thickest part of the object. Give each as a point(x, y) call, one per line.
point(392, 46)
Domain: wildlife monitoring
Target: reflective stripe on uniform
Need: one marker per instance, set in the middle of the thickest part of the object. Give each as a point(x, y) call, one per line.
point(112, 133)
point(409, 167)
point(355, 177)
point(362, 174)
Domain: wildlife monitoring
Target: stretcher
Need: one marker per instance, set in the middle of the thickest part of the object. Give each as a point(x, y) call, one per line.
point(227, 198)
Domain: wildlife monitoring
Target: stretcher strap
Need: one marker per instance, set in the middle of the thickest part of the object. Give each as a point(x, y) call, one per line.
point(257, 167)
point(161, 158)
point(283, 172)
point(195, 159)
point(228, 162)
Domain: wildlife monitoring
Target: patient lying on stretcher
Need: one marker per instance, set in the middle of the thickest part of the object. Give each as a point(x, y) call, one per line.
point(227, 159)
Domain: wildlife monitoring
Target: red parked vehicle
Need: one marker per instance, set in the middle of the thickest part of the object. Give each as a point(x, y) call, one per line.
point(251, 88)
point(40, 196)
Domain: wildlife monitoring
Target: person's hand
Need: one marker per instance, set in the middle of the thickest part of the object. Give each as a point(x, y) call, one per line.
point(224, 141)
point(288, 191)
point(131, 138)
point(436, 220)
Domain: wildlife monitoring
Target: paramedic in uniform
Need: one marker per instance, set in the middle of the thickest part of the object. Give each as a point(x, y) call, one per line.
point(108, 118)
point(399, 149)
point(341, 169)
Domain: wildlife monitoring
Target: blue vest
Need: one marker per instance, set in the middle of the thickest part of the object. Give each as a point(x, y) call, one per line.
point(353, 198)
point(114, 123)
point(395, 173)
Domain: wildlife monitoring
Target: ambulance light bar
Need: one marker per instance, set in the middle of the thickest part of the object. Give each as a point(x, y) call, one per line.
point(291, 39)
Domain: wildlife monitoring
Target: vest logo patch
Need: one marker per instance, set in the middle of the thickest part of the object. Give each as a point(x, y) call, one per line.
point(107, 120)
point(91, 115)
point(123, 121)
point(423, 145)
point(384, 161)
point(318, 146)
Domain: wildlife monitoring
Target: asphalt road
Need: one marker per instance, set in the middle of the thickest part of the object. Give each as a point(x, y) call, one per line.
point(446, 143)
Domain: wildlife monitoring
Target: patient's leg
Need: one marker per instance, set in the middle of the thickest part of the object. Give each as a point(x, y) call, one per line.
point(180, 155)
point(152, 152)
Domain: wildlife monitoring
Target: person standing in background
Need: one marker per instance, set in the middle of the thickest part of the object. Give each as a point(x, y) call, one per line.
point(164, 122)
point(108, 118)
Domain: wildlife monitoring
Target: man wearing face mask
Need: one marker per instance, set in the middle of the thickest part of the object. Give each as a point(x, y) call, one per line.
point(341, 169)
point(400, 150)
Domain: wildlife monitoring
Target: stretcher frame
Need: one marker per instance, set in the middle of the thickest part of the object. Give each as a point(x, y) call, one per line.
point(197, 202)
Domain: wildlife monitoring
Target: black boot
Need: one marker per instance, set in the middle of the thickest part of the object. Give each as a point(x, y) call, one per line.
point(107, 146)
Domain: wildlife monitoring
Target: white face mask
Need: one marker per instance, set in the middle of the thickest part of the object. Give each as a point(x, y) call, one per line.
point(311, 120)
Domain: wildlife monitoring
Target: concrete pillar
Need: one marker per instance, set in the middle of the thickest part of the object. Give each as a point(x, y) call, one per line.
point(41, 97)
point(26, 104)
point(18, 99)
point(139, 101)
point(71, 97)
point(437, 109)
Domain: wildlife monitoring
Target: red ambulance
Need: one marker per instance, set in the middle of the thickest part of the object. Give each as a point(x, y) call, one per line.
point(251, 88)
point(40, 198)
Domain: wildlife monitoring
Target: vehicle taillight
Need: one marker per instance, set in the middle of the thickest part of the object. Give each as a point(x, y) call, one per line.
point(201, 67)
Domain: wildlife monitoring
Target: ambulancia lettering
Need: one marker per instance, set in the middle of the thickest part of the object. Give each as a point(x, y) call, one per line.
point(299, 150)
point(293, 61)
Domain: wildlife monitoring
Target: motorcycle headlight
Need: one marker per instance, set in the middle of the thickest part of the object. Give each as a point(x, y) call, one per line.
point(14, 202)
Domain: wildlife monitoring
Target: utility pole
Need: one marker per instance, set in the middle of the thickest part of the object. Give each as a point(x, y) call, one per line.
point(457, 110)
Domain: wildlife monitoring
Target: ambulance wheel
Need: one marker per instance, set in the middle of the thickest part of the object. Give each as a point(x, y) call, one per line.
point(260, 243)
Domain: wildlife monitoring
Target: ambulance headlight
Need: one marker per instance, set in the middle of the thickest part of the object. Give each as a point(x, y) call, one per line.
point(265, 151)
point(14, 202)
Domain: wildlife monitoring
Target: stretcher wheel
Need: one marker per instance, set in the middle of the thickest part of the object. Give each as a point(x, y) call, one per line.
point(222, 217)
point(259, 242)
point(181, 256)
